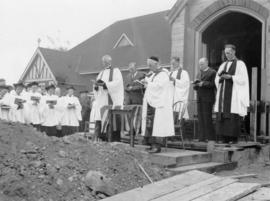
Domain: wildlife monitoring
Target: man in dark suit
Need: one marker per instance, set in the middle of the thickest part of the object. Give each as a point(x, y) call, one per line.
point(85, 102)
point(205, 87)
point(134, 90)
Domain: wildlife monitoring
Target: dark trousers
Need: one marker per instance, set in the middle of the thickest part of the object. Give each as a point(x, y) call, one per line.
point(228, 127)
point(149, 138)
point(206, 128)
point(50, 130)
point(134, 98)
point(69, 130)
point(85, 117)
point(37, 126)
point(116, 135)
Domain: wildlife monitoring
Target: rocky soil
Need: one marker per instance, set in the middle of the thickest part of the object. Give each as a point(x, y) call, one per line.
point(34, 167)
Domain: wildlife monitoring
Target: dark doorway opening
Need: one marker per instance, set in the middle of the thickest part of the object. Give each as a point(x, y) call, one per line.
point(245, 32)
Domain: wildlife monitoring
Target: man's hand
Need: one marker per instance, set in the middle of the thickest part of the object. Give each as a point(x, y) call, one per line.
point(172, 79)
point(200, 84)
point(226, 76)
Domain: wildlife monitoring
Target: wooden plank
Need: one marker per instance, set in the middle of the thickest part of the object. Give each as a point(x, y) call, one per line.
point(231, 192)
point(197, 190)
point(166, 186)
point(262, 194)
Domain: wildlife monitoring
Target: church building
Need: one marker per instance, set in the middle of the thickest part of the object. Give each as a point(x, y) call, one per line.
point(191, 29)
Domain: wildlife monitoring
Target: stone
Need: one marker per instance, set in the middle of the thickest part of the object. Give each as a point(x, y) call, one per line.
point(99, 183)
point(62, 154)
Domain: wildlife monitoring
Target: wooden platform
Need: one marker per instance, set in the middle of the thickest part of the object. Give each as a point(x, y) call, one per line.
point(197, 186)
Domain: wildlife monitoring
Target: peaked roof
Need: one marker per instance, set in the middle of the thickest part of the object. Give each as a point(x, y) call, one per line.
point(150, 34)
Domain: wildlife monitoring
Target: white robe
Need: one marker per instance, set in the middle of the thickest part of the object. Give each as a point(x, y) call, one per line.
point(240, 90)
point(180, 90)
point(158, 96)
point(33, 114)
point(70, 117)
point(50, 116)
point(6, 113)
point(15, 114)
point(115, 90)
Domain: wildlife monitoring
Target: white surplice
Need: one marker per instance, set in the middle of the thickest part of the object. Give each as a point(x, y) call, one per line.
point(70, 116)
point(50, 116)
point(240, 90)
point(158, 95)
point(180, 90)
point(115, 90)
point(17, 115)
point(6, 101)
point(33, 111)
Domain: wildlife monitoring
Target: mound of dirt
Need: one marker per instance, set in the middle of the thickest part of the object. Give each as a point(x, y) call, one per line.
point(35, 167)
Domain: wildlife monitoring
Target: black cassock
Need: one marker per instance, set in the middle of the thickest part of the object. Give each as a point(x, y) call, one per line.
point(228, 124)
point(205, 103)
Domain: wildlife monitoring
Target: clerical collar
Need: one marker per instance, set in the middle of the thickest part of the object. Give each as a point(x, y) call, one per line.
point(206, 69)
point(108, 67)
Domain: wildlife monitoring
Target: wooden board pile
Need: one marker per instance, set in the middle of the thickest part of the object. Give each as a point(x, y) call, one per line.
point(196, 186)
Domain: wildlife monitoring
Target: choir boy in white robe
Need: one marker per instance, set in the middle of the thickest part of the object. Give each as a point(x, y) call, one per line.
point(157, 114)
point(58, 94)
point(4, 109)
point(17, 102)
point(50, 110)
point(71, 112)
point(108, 90)
point(180, 85)
point(232, 98)
point(34, 106)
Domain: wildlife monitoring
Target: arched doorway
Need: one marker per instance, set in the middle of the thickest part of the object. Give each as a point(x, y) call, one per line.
point(245, 32)
point(236, 26)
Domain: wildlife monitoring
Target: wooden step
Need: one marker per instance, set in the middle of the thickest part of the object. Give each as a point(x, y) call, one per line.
point(262, 194)
point(180, 158)
point(209, 167)
point(231, 192)
point(163, 187)
point(197, 190)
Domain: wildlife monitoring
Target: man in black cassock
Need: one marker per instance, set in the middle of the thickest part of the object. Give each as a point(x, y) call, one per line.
point(205, 87)
point(232, 99)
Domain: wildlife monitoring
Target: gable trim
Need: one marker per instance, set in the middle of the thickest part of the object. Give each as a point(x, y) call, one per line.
point(119, 40)
point(176, 10)
point(37, 52)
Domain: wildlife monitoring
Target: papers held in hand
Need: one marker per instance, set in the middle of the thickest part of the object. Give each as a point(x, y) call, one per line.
point(19, 101)
point(139, 82)
point(71, 106)
point(5, 107)
point(51, 102)
point(196, 82)
point(35, 98)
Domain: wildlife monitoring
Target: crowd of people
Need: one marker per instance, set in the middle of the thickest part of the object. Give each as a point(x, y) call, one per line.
point(47, 111)
point(162, 92)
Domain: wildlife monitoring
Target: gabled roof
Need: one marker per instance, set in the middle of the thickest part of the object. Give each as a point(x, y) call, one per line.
point(63, 66)
point(151, 35)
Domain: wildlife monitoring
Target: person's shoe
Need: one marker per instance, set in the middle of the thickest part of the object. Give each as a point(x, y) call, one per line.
point(155, 150)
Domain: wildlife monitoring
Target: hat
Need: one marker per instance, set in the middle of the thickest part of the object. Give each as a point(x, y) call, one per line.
point(154, 58)
point(34, 84)
point(50, 87)
point(19, 84)
point(70, 87)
